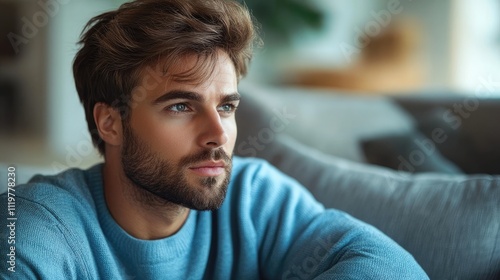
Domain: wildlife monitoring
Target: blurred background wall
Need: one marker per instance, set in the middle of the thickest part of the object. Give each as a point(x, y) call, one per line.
point(358, 47)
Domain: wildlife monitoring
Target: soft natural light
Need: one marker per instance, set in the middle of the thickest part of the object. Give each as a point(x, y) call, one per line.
point(477, 46)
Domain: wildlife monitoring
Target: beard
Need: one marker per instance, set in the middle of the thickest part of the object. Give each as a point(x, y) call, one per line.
point(157, 182)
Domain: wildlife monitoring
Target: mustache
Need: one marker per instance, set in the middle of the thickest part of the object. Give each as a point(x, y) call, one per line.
point(205, 155)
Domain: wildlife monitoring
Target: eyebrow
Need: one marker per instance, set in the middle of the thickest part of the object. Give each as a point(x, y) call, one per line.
point(231, 97)
point(189, 95)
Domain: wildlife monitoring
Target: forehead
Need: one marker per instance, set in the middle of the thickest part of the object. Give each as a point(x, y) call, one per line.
point(211, 77)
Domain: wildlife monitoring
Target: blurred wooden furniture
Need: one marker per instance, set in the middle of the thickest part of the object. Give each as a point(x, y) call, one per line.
point(390, 62)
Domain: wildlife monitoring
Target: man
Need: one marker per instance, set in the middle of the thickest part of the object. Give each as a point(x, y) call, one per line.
point(158, 81)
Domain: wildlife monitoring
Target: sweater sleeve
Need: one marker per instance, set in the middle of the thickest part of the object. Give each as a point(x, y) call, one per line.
point(39, 246)
point(299, 239)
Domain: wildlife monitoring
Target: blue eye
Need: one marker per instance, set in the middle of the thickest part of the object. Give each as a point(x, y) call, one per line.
point(181, 107)
point(227, 108)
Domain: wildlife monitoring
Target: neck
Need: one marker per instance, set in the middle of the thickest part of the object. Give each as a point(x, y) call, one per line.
point(140, 218)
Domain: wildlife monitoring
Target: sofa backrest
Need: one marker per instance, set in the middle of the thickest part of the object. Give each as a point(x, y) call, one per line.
point(449, 223)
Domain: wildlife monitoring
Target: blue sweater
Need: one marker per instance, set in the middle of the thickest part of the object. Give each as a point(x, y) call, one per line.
point(269, 227)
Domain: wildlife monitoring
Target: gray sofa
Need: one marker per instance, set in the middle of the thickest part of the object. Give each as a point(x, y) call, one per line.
point(447, 219)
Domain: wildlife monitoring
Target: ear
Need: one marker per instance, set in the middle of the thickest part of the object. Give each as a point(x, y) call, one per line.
point(109, 124)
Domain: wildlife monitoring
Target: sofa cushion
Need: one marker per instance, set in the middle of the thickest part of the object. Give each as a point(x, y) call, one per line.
point(411, 152)
point(469, 123)
point(449, 223)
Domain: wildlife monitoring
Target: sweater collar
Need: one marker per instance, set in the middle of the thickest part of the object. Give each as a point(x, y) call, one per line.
point(136, 250)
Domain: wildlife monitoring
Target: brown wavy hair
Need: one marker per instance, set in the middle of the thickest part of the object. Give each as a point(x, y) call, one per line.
point(117, 46)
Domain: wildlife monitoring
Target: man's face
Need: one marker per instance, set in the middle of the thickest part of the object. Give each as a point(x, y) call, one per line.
point(178, 143)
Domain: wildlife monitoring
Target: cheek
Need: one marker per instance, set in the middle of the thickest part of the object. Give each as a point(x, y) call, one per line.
point(168, 139)
point(171, 138)
point(232, 132)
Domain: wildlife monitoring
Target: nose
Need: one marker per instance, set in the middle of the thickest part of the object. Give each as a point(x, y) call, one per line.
point(212, 134)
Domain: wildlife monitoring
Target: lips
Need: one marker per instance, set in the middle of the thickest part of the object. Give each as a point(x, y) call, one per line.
point(209, 168)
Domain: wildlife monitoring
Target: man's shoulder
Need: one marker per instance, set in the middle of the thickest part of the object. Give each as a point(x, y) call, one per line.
point(258, 179)
point(44, 189)
point(55, 195)
point(50, 217)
